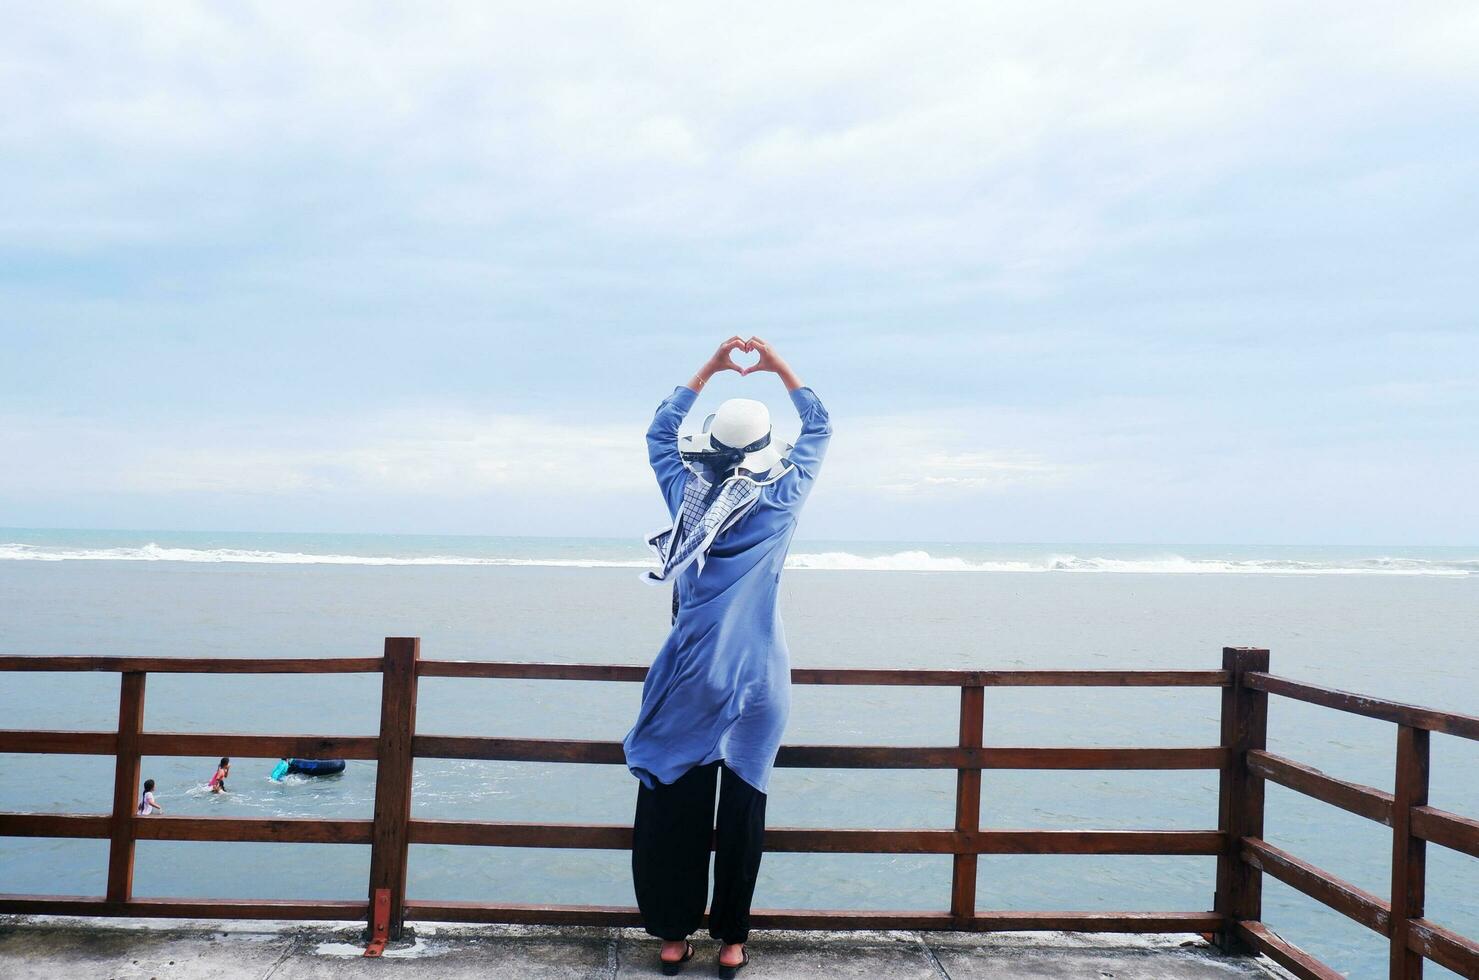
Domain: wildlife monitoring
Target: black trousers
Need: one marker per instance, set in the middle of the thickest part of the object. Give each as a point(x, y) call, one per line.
point(670, 853)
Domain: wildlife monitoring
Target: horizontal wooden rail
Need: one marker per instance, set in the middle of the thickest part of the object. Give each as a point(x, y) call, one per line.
point(258, 746)
point(283, 830)
point(1319, 884)
point(1373, 804)
point(1444, 946)
point(514, 670)
point(983, 921)
point(1264, 940)
point(74, 825)
point(185, 908)
point(835, 841)
point(1448, 722)
point(58, 742)
point(1447, 829)
point(278, 830)
point(192, 744)
point(616, 672)
point(839, 756)
point(846, 675)
point(195, 665)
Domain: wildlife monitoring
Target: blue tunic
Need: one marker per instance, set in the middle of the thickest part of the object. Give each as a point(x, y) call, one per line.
point(720, 687)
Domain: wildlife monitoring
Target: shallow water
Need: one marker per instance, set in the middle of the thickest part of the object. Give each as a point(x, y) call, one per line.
point(1407, 637)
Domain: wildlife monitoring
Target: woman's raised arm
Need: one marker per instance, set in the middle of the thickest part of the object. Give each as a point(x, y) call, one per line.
point(816, 426)
point(662, 434)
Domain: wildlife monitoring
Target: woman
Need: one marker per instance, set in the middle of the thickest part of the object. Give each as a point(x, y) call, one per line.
point(715, 701)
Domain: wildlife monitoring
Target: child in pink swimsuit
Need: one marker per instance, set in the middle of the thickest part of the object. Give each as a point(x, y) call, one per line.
point(218, 781)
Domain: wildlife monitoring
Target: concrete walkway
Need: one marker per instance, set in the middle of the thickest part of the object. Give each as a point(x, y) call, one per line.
point(62, 948)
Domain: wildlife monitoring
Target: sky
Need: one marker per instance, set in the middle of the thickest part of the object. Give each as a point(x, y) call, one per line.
point(1121, 272)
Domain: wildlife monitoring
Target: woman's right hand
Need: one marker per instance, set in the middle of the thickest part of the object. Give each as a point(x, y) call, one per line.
point(720, 361)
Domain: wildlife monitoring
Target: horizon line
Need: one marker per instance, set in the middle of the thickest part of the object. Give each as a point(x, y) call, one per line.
point(799, 539)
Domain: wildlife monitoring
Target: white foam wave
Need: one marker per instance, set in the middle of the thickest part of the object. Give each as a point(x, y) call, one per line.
point(923, 561)
point(902, 561)
point(154, 552)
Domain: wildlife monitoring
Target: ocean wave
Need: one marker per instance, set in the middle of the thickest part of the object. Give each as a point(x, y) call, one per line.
point(901, 561)
point(923, 561)
point(154, 552)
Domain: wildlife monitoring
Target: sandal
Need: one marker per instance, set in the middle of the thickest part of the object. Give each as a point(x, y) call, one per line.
point(727, 972)
point(671, 968)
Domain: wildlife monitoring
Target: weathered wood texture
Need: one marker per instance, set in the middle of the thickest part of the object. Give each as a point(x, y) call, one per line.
point(125, 787)
point(1444, 946)
point(967, 807)
point(1365, 801)
point(1448, 829)
point(1449, 722)
point(393, 772)
point(1240, 795)
point(1319, 884)
point(1264, 940)
point(1409, 852)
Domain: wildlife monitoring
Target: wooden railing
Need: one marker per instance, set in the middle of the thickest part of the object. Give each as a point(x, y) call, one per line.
point(1240, 758)
point(1414, 824)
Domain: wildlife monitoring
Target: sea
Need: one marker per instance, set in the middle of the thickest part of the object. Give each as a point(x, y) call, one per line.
point(1400, 623)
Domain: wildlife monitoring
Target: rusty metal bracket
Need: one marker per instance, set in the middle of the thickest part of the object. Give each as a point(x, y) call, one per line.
point(379, 923)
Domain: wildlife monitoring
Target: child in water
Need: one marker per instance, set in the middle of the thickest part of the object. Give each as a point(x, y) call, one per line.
point(146, 802)
point(218, 780)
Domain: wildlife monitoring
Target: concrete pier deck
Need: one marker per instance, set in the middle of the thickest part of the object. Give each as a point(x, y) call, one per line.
point(64, 948)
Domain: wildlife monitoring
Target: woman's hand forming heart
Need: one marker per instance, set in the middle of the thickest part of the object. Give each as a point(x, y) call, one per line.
point(772, 362)
point(722, 360)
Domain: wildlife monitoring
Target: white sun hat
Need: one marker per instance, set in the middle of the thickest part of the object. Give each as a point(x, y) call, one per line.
point(737, 437)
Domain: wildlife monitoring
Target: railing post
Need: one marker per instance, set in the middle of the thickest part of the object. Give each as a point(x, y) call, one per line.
point(393, 768)
point(125, 786)
point(1239, 895)
point(967, 808)
point(1409, 853)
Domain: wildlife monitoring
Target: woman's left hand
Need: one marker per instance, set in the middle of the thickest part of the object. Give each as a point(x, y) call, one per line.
point(772, 362)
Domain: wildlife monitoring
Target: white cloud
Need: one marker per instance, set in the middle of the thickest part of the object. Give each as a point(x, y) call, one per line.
point(1139, 242)
point(937, 455)
point(970, 475)
point(434, 455)
point(1004, 140)
point(453, 454)
point(974, 472)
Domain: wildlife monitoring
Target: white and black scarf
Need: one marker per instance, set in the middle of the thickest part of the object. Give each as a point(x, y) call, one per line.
point(708, 508)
